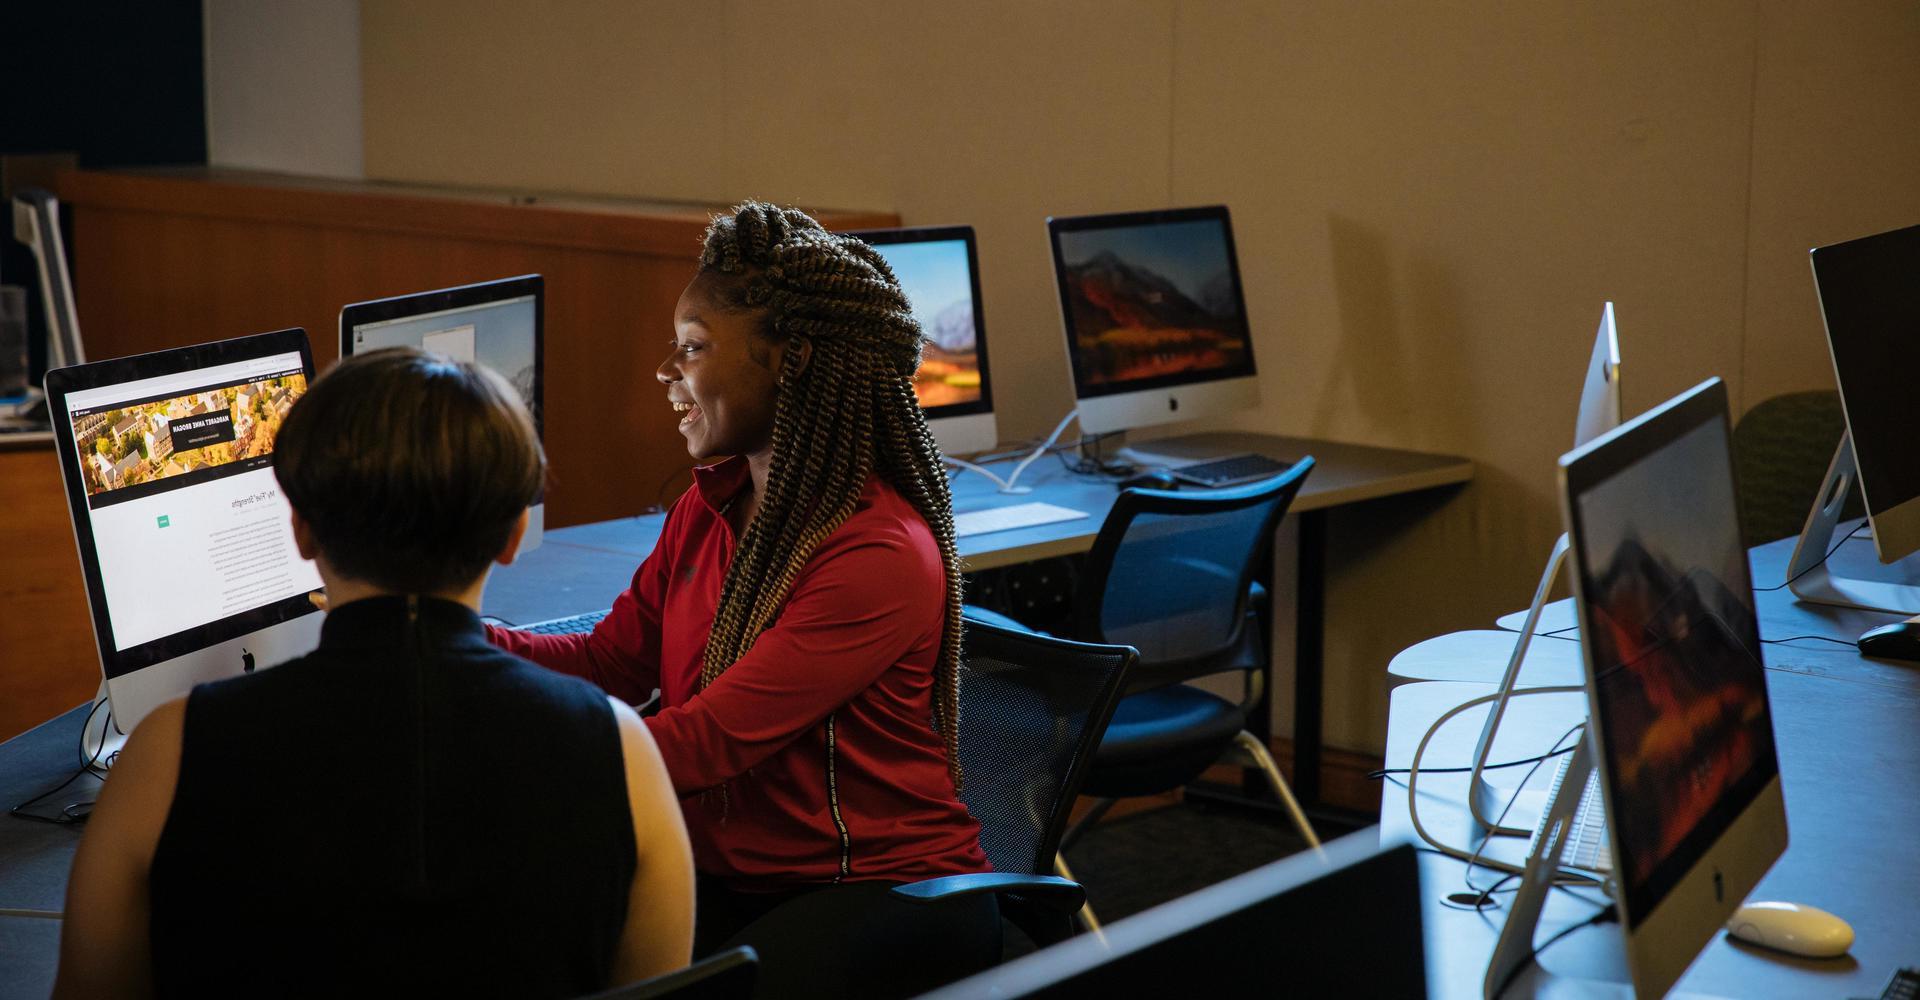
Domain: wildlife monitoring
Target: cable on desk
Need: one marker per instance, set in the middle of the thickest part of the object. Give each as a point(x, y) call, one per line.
point(1472, 862)
point(1413, 773)
point(1849, 643)
point(88, 765)
point(1378, 773)
point(1823, 561)
point(1600, 916)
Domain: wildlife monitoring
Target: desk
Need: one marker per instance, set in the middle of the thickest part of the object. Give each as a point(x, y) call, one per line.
point(1849, 763)
point(581, 568)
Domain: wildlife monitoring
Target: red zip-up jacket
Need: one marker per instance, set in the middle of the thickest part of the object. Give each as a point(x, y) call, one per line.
point(821, 735)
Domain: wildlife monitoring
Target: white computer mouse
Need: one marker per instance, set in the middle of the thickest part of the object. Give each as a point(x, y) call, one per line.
point(1792, 928)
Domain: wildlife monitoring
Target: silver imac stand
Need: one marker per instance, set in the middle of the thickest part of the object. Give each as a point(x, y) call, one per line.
point(1486, 801)
point(1808, 574)
point(101, 738)
point(1515, 947)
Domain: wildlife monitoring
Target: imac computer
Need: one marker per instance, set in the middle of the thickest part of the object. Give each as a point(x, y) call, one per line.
point(1680, 729)
point(939, 269)
point(1343, 924)
point(495, 323)
point(1869, 293)
point(185, 544)
point(1494, 807)
point(36, 224)
point(1157, 329)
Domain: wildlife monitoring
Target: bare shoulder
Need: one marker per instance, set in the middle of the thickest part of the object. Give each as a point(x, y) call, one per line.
point(153, 750)
point(636, 741)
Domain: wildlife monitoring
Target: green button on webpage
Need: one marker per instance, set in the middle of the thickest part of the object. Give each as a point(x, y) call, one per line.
point(163, 520)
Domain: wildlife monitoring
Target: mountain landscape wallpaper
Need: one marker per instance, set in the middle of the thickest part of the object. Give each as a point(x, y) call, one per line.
point(939, 286)
point(1151, 301)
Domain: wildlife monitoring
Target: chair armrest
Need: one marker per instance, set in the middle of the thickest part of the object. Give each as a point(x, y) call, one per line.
point(1049, 892)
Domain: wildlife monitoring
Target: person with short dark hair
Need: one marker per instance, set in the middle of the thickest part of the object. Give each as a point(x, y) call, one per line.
point(407, 809)
point(800, 616)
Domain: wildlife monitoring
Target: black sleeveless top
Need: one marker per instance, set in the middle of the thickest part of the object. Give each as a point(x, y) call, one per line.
point(405, 810)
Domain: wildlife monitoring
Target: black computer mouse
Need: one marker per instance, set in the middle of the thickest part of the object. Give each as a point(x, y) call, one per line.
point(1898, 641)
point(1151, 479)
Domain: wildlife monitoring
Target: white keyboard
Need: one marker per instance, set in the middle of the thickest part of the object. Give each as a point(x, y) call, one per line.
point(1020, 515)
point(1587, 847)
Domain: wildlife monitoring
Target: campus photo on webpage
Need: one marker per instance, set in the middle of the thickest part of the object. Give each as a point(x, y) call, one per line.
point(189, 526)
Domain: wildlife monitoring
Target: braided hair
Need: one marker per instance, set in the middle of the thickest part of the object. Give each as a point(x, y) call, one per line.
point(847, 413)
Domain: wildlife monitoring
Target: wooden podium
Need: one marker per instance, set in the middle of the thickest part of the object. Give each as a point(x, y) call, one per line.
point(165, 258)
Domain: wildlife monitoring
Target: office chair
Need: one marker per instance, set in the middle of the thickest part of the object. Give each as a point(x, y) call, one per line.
point(1032, 709)
point(1781, 450)
point(728, 975)
point(1171, 574)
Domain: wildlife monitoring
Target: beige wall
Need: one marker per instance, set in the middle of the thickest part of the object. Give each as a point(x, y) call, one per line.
point(283, 85)
point(1431, 199)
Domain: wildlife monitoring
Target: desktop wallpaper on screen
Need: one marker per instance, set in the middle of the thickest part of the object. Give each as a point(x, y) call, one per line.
point(934, 276)
point(1152, 301)
point(1686, 713)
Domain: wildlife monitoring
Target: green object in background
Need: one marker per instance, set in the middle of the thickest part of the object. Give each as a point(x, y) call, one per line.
point(163, 520)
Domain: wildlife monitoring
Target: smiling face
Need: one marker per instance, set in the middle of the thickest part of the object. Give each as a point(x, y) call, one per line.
point(720, 375)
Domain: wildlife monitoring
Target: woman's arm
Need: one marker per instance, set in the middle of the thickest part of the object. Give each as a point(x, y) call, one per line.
point(104, 947)
point(622, 653)
point(854, 613)
point(658, 936)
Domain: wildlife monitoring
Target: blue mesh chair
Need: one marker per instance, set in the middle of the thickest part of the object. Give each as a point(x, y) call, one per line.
point(1032, 710)
point(1171, 574)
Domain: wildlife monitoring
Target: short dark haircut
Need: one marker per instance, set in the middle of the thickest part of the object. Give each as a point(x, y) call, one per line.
point(410, 468)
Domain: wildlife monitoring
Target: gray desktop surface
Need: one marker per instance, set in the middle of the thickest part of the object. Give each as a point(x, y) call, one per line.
point(1849, 761)
point(1343, 474)
point(582, 568)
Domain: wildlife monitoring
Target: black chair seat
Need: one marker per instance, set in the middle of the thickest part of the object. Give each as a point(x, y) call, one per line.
point(1161, 739)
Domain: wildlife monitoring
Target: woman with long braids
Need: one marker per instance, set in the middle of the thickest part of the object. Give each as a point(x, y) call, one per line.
point(801, 619)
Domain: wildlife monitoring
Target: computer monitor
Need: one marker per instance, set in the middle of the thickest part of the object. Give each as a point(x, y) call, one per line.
point(1156, 324)
point(495, 323)
point(1680, 728)
point(1870, 302)
point(1347, 924)
point(185, 543)
point(1496, 808)
point(938, 268)
point(36, 223)
point(1600, 393)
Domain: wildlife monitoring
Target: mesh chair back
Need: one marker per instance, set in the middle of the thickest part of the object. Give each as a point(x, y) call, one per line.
point(1032, 710)
point(1781, 450)
point(1169, 573)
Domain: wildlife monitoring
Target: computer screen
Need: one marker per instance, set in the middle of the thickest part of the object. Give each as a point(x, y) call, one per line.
point(1870, 298)
point(498, 324)
point(184, 537)
point(1676, 684)
point(938, 269)
point(1344, 922)
point(1155, 321)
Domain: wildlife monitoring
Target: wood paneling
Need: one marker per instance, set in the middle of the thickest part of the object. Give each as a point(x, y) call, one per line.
point(167, 258)
point(48, 660)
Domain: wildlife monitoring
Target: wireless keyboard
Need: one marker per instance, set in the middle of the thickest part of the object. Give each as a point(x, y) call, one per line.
point(1020, 515)
point(1587, 848)
point(567, 626)
point(1231, 471)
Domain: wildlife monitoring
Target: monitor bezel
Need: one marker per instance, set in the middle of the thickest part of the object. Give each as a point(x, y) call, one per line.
point(1059, 225)
point(61, 383)
point(947, 234)
point(482, 293)
point(1896, 526)
point(1676, 910)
